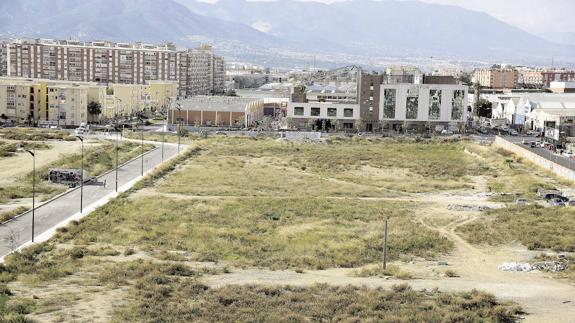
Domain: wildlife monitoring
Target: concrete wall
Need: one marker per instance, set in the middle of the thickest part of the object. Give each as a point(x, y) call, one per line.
point(559, 170)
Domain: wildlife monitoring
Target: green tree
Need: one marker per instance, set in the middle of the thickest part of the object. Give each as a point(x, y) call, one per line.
point(484, 108)
point(94, 109)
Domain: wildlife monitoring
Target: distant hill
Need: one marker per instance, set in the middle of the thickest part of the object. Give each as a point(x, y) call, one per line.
point(285, 31)
point(120, 20)
point(567, 38)
point(384, 28)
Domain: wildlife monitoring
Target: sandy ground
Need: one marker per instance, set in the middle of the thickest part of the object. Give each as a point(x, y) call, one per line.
point(544, 299)
point(11, 168)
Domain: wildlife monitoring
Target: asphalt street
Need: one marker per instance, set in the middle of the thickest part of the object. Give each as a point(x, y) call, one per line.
point(18, 232)
point(545, 153)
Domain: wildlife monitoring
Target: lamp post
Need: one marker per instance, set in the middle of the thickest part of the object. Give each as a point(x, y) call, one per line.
point(142, 138)
point(82, 177)
point(33, 154)
point(117, 144)
point(179, 107)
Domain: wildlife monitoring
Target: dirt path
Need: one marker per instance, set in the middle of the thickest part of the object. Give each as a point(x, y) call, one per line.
point(544, 298)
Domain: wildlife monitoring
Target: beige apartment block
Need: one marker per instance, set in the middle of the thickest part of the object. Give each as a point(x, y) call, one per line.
point(497, 78)
point(161, 94)
point(65, 103)
point(196, 71)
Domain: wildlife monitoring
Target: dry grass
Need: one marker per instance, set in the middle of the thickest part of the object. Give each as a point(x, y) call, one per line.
point(171, 300)
point(535, 227)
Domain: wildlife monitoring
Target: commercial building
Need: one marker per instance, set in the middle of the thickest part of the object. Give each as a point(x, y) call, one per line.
point(196, 71)
point(497, 78)
point(532, 111)
point(217, 111)
point(439, 101)
point(438, 104)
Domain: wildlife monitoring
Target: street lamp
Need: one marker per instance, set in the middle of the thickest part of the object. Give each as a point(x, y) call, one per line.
point(33, 154)
point(142, 136)
point(117, 143)
point(82, 177)
point(179, 107)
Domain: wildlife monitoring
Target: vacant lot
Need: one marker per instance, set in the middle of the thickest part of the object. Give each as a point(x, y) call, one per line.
point(239, 203)
point(536, 227)
point(320, 303)
point(16, 186)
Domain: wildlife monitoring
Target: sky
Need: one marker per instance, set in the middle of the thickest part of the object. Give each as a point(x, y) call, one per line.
point(535, 16)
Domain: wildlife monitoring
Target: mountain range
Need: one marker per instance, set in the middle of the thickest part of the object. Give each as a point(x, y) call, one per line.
point(267, 29)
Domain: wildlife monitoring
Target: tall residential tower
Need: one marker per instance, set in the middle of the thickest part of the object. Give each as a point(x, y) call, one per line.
point(198, 71)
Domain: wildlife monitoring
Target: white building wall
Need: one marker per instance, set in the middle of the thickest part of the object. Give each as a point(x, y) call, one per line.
point(447, 95)
point(323, 110)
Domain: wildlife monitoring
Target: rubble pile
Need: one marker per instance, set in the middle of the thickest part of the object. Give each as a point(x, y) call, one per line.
point(549, 266)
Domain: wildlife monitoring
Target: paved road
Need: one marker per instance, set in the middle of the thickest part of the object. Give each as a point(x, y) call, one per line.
point(18, 232)
point(561, 160)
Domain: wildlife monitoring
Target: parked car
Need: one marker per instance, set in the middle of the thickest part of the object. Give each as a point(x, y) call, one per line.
point(533, 133)
point(513, 132)
point(568, 154)
point(556, 202)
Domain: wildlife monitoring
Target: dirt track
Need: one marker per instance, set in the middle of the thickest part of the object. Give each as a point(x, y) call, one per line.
point(545, 299)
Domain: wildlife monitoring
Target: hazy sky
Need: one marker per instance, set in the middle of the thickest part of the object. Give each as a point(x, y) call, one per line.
point(536, 16)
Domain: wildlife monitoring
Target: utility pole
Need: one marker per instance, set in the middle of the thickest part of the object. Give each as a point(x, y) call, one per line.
point(82, 177)
point(385, 246)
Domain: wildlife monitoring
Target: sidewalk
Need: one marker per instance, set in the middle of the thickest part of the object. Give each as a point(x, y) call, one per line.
point(17, 233)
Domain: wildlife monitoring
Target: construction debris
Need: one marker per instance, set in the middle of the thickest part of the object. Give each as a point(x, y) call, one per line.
point(468, 208)
point(549, 266)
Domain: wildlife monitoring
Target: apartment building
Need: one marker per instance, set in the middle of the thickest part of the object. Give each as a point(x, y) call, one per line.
point(45, 103)
point(557, 76)
point(197, 71)
point(531, 77)
point(65, 103)
point(497, 78)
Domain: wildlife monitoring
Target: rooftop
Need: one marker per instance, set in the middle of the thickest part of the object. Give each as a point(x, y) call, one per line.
point(216, 103)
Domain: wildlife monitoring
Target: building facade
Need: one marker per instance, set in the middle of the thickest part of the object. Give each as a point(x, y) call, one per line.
point(65, 103)
point(423, 103)
point(197, 71)
point(557, 76)
point(497, 78)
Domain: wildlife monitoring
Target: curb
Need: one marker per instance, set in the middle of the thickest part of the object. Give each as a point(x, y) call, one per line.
point(48, 234)
point(52, 199)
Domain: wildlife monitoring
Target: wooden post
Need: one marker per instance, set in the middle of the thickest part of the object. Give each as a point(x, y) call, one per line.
point(385, 246)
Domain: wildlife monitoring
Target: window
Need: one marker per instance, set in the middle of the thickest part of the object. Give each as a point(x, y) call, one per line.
point(434, 104)
point(347, 125)
point(315, 112)
point(412, 104)
point(331, 112)
point(348, 113)
point(457, 105)
point(389, 102)
point(298, 111)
